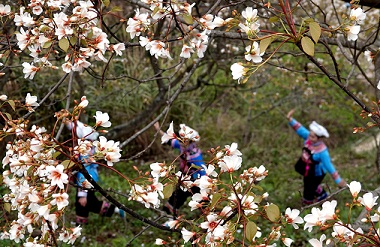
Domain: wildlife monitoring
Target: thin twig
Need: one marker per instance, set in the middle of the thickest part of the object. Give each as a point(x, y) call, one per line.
point(142, 231)
point(326, 199)
point(47, 96)
point(68, 99)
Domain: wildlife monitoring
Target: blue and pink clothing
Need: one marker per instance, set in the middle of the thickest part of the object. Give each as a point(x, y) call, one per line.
point(190, 156)
point(320, 153)
point(313, 191)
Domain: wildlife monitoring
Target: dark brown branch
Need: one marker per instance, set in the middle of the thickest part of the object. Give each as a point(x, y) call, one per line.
point(340, 85)
point(110, 198)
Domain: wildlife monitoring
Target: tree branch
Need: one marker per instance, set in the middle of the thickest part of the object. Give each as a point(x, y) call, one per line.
point(110, 198)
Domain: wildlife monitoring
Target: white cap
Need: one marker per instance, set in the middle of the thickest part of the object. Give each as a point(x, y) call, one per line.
point(318, 129)
point(83, 131)
point(189, 133)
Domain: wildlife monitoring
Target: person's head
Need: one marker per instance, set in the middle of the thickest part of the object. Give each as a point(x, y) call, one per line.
point(317, 132)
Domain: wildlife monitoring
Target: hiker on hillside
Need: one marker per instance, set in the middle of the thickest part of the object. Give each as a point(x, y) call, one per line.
point(191, 162)
point(315, 160)
point(86, 200)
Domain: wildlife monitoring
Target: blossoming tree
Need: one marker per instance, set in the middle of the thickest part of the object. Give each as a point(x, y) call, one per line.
point(73, 37)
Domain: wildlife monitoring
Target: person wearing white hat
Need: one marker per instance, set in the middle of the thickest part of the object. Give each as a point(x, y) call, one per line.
point(315, 160)
point(191, 162)
point(86, 200)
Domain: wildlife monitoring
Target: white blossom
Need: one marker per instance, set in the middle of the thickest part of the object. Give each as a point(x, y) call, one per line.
point(238, 71)
point(357, 15)
point(187, 235)
point(352, 32)
point(368, 200)
point(355, 188)
point(102, 119)
point(31, 101)
point(293, 218)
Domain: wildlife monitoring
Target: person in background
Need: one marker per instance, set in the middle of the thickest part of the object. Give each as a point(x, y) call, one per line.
point(86, 200)
point(313, 190)
point(191, 163)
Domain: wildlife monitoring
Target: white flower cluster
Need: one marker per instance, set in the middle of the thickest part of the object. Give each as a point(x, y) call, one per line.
point(251, 24)
point(251, 27)
point(195, 40)
point(342, 232)
point(37, 181)
point(148, 195)
point(38, 34)
point(356, 18)
point(253, 54)
point(108, 149)
point(37, 186)
point(217, 230)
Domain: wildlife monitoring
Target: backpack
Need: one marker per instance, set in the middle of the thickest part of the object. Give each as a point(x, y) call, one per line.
point(305, 164)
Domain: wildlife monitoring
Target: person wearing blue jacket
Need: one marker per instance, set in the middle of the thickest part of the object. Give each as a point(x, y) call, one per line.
point(191, 163)
point(320, 157)
point(86, 200)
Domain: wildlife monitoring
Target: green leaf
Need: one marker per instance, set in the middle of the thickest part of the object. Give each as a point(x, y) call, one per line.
point(8, 115)
point(215, 199)
point(257, 199)
point(47, 44)
point(308, 20)
point(44, 28)
point(106, 2)
point(1, 179)
point(156, 9)
point(67, 164)
point(315, 31)
point(12, 104)
point(264, 43)
point(168, 191)
point(370, 124)
point(257, 187)
point(7, 207)
point(188, 19)
point(64, 44)
point(116, 9)
point(307, 45)
point(273, 212)
point(73, 40)
point(30, 171)
point(273, 19)
point(56, 154)
point(84, 42)
point(250, 230)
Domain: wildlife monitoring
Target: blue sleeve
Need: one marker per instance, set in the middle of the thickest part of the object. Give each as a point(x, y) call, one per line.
point(197, 161)
point(324, 158)
point(200, 172)
point(299, 129)
point(79, 178)
point(175, 144)
point(92, 169)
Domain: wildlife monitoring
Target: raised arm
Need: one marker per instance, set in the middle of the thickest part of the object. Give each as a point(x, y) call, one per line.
point(158, 128)
point(298, 128)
